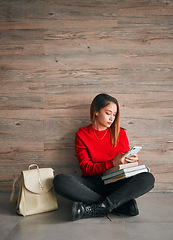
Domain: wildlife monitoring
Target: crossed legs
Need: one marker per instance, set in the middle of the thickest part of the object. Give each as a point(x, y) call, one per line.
point(91, 190)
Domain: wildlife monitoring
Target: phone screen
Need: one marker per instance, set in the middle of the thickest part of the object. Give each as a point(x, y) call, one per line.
point(133, 150)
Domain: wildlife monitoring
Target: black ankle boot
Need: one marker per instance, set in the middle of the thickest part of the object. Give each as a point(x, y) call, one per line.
point(129, 208)
point(81, 210)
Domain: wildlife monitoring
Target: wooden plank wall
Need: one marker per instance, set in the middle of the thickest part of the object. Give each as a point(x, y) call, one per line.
point(55, 56)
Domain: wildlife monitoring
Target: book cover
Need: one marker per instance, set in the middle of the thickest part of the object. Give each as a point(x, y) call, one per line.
point(121, 166)
point(121, 171)
point(125, 175)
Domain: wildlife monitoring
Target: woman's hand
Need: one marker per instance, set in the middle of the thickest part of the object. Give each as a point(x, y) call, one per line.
point(132, 158)
point(121, 159)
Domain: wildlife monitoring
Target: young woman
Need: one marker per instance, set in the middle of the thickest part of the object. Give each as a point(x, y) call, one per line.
point(99, 147)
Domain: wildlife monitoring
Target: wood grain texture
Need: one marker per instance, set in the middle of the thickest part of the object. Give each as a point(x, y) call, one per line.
point(55, 56)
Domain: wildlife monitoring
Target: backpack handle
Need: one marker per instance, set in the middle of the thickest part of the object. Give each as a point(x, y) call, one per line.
point(33, 165)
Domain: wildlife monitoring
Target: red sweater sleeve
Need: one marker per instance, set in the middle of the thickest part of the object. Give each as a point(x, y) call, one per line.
point(88, 167)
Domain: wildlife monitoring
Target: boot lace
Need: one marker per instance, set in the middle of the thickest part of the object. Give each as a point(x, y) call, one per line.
point(96, 210)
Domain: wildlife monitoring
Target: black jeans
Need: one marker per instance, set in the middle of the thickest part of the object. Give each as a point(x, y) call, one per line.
point(92, 189)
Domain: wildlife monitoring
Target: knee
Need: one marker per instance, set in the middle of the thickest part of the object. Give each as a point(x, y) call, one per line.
point(60, 180)
point(148, 179)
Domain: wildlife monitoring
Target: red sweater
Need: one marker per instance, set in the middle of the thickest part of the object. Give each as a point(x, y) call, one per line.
point(95, 156)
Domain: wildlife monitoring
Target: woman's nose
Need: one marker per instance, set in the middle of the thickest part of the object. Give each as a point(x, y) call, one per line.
point(111, 118)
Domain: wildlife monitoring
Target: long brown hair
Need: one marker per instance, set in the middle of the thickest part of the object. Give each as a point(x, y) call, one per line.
point(101, 101)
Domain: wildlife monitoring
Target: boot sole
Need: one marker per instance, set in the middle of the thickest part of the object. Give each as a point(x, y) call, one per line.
point(74, 211)
point(135, 210)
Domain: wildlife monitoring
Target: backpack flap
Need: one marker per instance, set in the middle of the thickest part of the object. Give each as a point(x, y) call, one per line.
point(38, 181)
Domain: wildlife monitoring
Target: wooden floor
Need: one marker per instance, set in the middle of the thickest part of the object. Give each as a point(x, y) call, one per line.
point(55, 56)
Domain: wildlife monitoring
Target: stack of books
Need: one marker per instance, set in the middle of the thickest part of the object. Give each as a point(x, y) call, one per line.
point(123, 171)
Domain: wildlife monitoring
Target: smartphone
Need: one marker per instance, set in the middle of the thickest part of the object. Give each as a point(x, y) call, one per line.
point(133, 150)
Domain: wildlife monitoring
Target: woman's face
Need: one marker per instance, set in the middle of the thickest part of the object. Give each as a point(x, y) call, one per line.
point(105, 117)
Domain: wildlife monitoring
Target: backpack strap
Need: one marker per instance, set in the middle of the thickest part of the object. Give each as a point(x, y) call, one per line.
point(12, 200)
point(38, 171)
